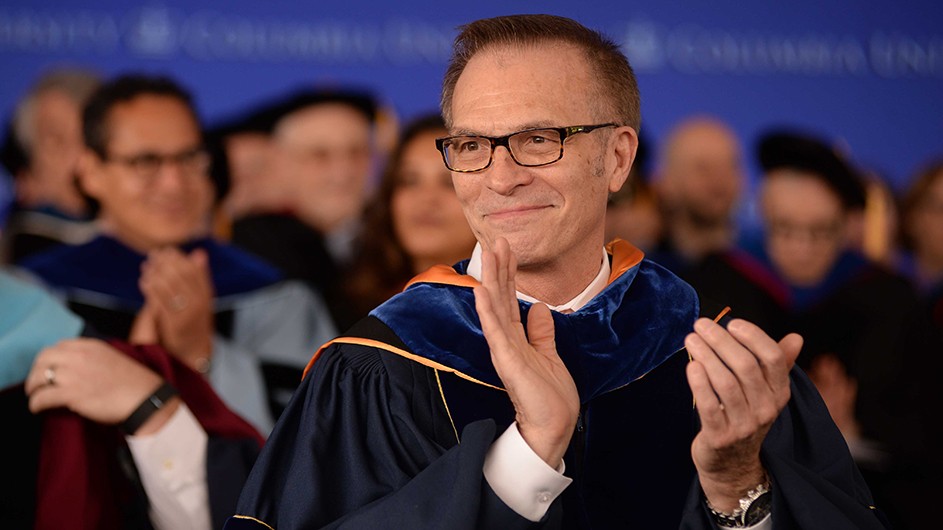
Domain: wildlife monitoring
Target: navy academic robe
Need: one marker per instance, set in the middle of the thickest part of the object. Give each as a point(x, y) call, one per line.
point(371, 440)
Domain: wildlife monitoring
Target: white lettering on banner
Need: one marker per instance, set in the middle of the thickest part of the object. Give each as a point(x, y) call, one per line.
point(162, 33)
point(897, 55)
point(692, 49)
point(50, 31)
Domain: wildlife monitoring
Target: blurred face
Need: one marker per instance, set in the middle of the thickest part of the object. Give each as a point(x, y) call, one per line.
point(555, 214)
point(249, 156)
point(153, 184)
point(54, 154)
point(702, 173)
point(427, 217)
point(326, 152)
point(926, 224)
point(805, 226)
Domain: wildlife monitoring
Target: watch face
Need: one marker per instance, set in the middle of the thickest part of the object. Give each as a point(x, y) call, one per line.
point(758, 509)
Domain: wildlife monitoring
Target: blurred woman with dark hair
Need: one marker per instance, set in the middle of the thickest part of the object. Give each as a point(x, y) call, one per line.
point(414, 222)
point(922, 229)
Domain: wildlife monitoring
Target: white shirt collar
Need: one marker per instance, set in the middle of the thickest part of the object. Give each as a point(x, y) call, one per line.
point(595, 287)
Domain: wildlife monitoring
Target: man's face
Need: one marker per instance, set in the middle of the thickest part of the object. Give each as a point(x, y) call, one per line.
point(805, 226)
point(166, 203)
point(926, 223)
point(326, 152)
point(55, 150)
point(553, 214)
point(703, 174)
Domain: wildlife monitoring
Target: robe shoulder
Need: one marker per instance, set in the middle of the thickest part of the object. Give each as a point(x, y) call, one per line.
point(378, 421)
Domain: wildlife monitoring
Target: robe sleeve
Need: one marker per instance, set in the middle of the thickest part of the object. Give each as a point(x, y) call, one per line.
point(816, 484)
point(366, 443)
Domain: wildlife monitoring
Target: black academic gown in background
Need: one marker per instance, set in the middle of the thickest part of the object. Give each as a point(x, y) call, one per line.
point(391, 425)
point(872, 321)
point(301, 253)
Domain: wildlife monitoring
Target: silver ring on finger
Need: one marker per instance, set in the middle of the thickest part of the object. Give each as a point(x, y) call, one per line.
point(49, 374)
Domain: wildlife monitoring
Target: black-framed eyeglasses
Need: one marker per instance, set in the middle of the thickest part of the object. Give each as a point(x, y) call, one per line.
point(195, 161)
point(528, 148)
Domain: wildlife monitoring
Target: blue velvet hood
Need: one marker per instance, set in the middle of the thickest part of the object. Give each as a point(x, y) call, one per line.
point(636, 323)
point(105, 266)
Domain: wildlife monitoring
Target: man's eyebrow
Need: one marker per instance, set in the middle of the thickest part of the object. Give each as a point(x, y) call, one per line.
point(541, 124)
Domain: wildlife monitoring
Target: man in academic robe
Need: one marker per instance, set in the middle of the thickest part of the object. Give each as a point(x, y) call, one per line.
point(867, 341)
point(155, 275)
point(550, 382)
point(322, 159)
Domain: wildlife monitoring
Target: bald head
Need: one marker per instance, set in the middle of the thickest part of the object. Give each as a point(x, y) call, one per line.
point(701, 170)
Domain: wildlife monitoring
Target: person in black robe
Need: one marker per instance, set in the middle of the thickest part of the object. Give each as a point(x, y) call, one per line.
point(866, 336)
point(323, 152)
point(41, 153)
point(395, 424)
point(155, 275)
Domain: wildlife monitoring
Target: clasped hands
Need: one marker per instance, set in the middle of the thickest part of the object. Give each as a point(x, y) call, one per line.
point(178, 305)
point(739, 377)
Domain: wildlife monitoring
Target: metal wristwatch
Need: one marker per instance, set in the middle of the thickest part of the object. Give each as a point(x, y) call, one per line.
point(754, 507)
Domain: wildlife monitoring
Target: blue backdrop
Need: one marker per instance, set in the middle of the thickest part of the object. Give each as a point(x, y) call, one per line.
point(869, 73)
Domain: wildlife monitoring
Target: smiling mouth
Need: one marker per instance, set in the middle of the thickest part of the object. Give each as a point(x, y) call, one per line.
point(511, 213)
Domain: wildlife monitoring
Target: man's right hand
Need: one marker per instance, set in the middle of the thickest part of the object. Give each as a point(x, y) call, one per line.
point(94, 380)
point(540, 387)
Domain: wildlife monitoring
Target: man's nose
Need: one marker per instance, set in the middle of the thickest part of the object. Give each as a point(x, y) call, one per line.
point(505, 175)
point(171, 175)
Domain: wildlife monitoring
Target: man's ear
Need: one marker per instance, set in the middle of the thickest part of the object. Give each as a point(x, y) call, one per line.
point(625, 146)
point(89, 173)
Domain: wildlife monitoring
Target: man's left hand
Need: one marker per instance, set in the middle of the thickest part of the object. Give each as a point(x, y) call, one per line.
point(740, 380)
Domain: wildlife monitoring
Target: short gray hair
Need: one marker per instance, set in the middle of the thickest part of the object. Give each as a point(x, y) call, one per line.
point(76, 84)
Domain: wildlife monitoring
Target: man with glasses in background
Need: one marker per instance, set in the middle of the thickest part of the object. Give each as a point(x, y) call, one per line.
point(546, 382)
point(156, 277)
point(866, 341)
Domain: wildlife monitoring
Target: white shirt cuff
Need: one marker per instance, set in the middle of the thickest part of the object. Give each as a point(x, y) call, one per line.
point(520, 478)
point(172, 465)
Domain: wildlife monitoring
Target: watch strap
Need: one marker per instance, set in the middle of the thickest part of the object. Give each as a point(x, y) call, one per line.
point(148, 407)
point(752, 509)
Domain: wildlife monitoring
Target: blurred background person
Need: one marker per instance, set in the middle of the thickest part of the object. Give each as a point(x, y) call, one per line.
point(633, 213)
point(47, 133)
point(861, 322)
point(155, 275)
point(699, 182)
point(922, 230)
point(244, 142)
point(414, 222)
point(323, 162)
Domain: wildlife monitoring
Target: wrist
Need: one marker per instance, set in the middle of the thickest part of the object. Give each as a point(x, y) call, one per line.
point(198, 358)
point(724, 494)
point(549, 447)
point(152, 412)
point(755, 506)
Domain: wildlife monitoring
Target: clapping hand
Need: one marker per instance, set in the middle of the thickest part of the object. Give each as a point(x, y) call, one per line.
point(539, 385)
point(740, 380)
point(178, 308)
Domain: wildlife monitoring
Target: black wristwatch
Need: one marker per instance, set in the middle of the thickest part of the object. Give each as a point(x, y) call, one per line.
point(148, 407)
point(754, 507)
